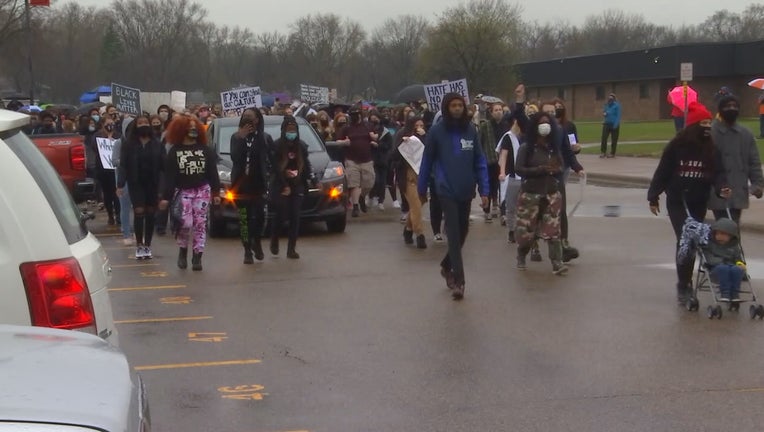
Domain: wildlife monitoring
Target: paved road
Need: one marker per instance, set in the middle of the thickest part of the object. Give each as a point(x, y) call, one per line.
point(361, 335)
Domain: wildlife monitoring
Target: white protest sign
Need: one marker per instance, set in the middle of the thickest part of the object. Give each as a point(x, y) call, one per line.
point(105, 150)
point(314, 94)
point(126, 99)
point(237, 100)
point(435, 92)
point(178, 100)
point(412, 150)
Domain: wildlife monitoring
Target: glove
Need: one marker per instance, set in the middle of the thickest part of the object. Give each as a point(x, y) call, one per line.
point(757, 192)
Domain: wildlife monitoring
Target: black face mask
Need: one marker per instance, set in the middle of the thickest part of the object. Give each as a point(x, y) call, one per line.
point(559, 112)
point(730, 116)
point(143, 131)
point(109, 127)
point(705, 132)
point(157, 128)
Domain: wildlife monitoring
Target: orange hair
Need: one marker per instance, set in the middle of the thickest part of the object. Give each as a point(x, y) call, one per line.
point(178, 130)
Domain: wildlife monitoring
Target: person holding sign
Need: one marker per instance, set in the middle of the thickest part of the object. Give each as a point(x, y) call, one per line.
point(453, 153)
point(359, 165)
point(104, 144)
point(141, 164)
point(407, 158)
point(191, 175)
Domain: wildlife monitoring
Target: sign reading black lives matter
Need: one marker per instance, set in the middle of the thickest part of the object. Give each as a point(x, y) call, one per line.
point(126, 99)
point(237, 100)
point(435, 92)
point(314, 94)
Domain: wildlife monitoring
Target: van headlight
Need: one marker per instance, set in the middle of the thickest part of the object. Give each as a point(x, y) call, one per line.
point(333, 171)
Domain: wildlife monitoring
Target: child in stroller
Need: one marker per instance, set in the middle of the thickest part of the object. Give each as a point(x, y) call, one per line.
point(724, 259)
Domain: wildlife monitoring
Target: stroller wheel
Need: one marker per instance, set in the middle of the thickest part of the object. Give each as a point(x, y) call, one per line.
point(711, 312)
point(753, 310)
point(760, 310)
point(718, 312)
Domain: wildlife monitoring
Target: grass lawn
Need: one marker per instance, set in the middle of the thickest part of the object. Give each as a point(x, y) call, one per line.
point(660, 131)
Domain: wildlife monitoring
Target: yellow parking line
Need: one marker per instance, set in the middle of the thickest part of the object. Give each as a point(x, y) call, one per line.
point(109, 234)
point(147, 288)
point(200, 364)
point(161, 320)
point(118, 266)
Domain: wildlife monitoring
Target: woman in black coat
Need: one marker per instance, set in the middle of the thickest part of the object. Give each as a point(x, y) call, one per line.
point(291, 177)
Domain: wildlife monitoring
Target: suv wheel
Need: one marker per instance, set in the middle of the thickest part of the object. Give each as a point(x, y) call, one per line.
point(337, 225)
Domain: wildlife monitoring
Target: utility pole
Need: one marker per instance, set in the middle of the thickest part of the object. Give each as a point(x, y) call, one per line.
point(30, 44)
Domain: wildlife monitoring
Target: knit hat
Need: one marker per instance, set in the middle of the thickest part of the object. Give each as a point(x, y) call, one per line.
point(726, 100)
point(696, 113)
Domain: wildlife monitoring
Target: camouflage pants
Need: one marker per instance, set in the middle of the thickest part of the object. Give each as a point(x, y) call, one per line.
point(537, 216)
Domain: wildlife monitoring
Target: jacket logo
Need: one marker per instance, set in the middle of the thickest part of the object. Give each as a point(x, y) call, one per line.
point(467, 144)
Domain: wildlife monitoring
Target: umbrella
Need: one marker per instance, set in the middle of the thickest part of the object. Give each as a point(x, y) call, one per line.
point(491, 99)
point(31, 108)
point(61, 108)
point(757, 83)
point(88, 97)
point(411, 93)
point(84, 109)
point(676, 96)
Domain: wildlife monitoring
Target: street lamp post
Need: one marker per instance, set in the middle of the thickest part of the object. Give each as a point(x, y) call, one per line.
point(30, 44)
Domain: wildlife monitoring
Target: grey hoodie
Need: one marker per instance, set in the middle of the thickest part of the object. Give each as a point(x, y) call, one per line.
point(717, 253)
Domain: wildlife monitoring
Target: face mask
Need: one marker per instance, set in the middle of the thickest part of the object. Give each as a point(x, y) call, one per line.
point(559, 112)
point(164, 115)
point(109, 127)
point(706, 131)
point(144, 131)
point(114, 116)
point(96, 118)
point(291, 136)
point(545, 129)
point(730, 116)
point(157, 128)
point(193, 133)
point(91, 128)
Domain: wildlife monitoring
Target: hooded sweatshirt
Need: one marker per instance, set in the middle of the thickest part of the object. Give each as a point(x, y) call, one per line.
point(729, 253)
point(250, 157)
point(291, 155)
point(453, 152)
point(140, 165)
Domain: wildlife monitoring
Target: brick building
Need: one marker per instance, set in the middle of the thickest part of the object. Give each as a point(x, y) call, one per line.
point(641, 79)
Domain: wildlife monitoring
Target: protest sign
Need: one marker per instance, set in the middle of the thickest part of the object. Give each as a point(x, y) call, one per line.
point(314, 94)
point(178, 100)
point(412, 150)
point(105, 151)
point(237, 100)
point(126, 99)
point(435, 92)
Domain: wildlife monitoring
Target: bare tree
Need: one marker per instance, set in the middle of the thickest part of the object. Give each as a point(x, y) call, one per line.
point(392, 54)
point(11, 14)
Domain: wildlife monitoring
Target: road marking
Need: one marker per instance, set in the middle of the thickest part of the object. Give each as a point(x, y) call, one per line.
point(161, 320)
point(176, 300)
point(243, 392)
point(198, 364)
point(121, 266)
point(154, 274)
point(114, 234)
point(207, 337)
point(147, 288)
point(120, 248)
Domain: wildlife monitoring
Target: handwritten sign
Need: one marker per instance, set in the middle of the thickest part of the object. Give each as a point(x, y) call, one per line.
point(412, 150)
point(314, 94)
point(237, 100)
point(435, 92)
point(126, 99)
point(105, 150)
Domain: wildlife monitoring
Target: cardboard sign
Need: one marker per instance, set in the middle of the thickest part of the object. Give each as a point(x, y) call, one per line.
point(178, 100)
point(314, 94)
point(435, 92)
point(412, 150)
point(237, 100)
point(105, 151)
point(126, 99)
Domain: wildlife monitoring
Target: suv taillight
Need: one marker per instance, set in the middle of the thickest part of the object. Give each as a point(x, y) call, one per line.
point(77, 157)
point(58, 295)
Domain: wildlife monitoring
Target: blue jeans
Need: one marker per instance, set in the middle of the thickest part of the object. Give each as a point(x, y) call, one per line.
point(125, 213)
point(730, 277)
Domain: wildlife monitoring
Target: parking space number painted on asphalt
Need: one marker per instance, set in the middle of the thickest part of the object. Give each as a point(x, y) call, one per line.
point(207, 337)
point(243, 392)
point(176, 300)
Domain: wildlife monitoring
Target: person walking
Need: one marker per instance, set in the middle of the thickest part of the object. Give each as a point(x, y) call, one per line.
point(250, 155)
point(454, 154)
point(106, 174)
point(125, 205)
point(412, 135)
point(611, 126)
point(290, 181)
point(740, 157)
point(359, 140)
point(491, 131)
point(510, 145)
point(689, 169)
point(140, 168)
point(381, 155)
point(190, 176)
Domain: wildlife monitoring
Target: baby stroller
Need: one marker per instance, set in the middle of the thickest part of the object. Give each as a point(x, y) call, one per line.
point(695, 235)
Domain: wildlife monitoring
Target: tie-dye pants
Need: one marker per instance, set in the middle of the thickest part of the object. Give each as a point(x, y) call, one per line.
point(196, 203)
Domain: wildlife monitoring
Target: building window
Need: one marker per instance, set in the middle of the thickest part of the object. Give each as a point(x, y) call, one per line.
point(561, 93)
point(644, 91)
point(600, 90)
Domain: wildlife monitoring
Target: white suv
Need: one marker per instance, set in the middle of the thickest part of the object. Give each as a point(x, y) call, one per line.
point(53, 271)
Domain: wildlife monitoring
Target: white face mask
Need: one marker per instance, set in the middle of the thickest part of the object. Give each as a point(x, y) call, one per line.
point(545, 129)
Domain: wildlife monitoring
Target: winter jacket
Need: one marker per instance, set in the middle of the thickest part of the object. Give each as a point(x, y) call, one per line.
point(717, 253)
point(613, 114)
point(251, 159)
point(140, 164)
point(490, 133)
point(384, 150)
point(117, 149)
point(453, 152)
point(740, 157)
point(529, 163)
point(279, 180)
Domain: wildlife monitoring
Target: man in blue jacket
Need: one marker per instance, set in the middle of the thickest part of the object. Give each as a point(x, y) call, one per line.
point(453, 154)
point(611, 126)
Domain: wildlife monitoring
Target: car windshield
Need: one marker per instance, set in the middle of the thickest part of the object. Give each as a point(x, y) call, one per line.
point(274, 130)
point(58, 197)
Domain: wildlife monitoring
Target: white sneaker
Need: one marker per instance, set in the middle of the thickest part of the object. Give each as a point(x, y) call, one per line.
point(147, 253)
point(495, 211)
point(374, 201)
point(396, 204)
point(139, 253)
point(439, 238)
point(381, 207)
point(404, 217)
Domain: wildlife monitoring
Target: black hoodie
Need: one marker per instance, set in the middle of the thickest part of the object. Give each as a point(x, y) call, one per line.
point(251, 161)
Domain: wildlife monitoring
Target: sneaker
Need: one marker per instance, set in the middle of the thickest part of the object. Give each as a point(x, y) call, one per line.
point(458, 292)
point(381, 207)
point(439, 238)
point(363, 204)
point(127, 242)
point(559, 269)
point(374, 201)
point(449, 277)
point(569, 254)
point(503, 221)
point(408, 237)
point(495, 211)
point(396, 204)
point(420, 242)
point(147, 253)
point(356, 211)
point(611, 156)
point(488, 218)
point(511, 237)
point(603, 156)
point(139, 253)
point(736, 298)
point(536, 255)
point(404, 218)
point(724, 299)
point(521, 265)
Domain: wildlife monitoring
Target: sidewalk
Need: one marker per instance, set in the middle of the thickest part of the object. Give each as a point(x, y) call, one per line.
point(637, 173)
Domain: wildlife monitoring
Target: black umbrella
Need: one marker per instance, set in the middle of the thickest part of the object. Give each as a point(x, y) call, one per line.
point(412, 93)
point(84, 109)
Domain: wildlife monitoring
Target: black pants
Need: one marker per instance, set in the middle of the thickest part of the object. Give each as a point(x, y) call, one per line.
point(380, 183)
point(287, 210)
point(735, 213)
point(610, 131)
point(678, 214)
point(162, 218)
point(457, 214)
point(493, 186)
point(436, 211)
point(108, 183)
point(251, 219)
point(392, 183)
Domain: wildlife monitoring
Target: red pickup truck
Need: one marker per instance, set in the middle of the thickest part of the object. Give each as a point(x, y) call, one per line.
point(66, 152)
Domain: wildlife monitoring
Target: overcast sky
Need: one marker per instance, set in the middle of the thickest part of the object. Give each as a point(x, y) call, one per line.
point(269, 15)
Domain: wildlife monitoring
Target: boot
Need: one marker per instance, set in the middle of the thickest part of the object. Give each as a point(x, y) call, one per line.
point(257, 248)
point(291, 250)
point(275, 245)
point(420, 242)
point(555, 255)
point(196, 261)
point(183, 258)
point(408, 236)
point(248, 257)
point(683, 292)
point(568, 253)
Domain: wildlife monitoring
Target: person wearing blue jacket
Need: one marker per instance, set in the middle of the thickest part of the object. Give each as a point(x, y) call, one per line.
point(454, 155)
point(611, 126)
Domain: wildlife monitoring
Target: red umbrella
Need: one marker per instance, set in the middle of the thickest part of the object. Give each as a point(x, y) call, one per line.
point(676, 96)
point(757, 83)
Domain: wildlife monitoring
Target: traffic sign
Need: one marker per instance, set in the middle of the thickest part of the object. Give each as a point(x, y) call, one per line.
point(685, 72)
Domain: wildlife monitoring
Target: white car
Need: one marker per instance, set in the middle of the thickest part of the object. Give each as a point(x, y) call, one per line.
point(53, 271)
